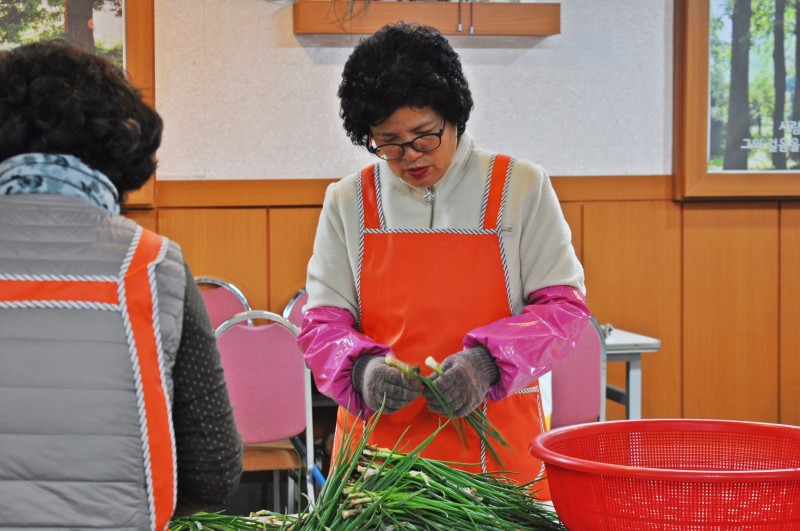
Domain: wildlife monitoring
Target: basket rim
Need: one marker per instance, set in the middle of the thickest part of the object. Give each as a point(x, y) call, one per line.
point(549, 457)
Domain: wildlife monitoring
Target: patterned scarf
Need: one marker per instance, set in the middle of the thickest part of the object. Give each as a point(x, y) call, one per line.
point(44, 173)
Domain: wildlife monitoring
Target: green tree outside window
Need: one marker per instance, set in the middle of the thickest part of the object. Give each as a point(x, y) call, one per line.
point(24, 21)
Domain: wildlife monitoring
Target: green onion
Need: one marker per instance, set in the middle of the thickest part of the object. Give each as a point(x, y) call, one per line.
point(214, 522)
point(383, 489)
point(477, 419)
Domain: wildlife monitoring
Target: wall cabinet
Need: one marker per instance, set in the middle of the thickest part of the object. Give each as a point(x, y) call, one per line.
point(451, 18)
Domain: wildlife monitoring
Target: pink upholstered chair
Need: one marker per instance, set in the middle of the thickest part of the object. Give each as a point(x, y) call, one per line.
point(576, 383)
point(270, 388)
point(293, 312)
point(223, 300)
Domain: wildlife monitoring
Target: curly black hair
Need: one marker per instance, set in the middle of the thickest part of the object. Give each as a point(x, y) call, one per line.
point(56, 98)
point(402, 64)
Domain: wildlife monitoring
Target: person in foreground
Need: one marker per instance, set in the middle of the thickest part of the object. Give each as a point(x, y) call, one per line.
point(113, 406)
point(439, 249)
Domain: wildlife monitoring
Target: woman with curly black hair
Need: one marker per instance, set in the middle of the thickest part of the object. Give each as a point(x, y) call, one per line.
point(439, 249)
point(113, 406)
point(56, 100)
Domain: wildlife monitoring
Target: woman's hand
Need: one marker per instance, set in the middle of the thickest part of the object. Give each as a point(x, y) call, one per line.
point(383, 385)
point(465, 379)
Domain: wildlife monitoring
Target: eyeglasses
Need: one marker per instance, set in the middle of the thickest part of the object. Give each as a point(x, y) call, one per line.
point(423, 143)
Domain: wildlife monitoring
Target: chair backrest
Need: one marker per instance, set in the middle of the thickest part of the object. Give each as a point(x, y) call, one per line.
point(268, 381)
point(293, 312)
point(577, 381)
point(265, 373)
point(223, 300)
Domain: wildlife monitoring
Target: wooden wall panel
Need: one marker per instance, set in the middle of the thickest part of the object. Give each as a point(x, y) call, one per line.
point(291, 240)
point(310, 192)
point(730, 351)
point(632, 255)
point(145, 218)
point(227, 243)
point(790, 314)
point(613, 188)
point(143, 197)
point(242, 193)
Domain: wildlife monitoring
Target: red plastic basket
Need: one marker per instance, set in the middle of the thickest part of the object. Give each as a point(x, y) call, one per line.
point(672, 474)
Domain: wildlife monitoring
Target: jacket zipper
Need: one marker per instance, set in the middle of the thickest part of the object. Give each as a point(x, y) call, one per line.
point(430, 197)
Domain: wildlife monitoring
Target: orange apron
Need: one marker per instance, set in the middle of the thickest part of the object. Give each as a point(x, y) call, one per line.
point(421, 292)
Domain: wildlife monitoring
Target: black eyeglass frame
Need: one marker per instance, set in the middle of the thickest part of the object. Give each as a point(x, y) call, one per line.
point(374, 150)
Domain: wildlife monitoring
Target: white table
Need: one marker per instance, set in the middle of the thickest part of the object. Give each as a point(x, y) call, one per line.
point(622, 345)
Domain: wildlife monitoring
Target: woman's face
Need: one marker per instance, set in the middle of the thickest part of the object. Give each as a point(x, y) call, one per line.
point(406, 124)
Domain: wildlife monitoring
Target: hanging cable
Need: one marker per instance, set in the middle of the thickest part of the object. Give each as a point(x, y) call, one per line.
point(471, 25)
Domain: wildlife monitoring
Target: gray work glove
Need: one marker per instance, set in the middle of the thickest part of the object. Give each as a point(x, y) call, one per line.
point(374, 379)
point(466, 379)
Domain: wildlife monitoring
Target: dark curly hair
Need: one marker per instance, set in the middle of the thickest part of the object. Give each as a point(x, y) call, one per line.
point(56, 98)
point(402, 64)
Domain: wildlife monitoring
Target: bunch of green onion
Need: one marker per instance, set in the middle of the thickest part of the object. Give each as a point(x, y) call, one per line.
point(477, 419)
point(215, 522)
point(382, 489)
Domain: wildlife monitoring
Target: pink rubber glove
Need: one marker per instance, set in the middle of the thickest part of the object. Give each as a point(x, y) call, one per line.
point(530, 344)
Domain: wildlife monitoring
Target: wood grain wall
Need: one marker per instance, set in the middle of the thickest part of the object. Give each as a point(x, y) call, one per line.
point(716, 282)
point(789, 308)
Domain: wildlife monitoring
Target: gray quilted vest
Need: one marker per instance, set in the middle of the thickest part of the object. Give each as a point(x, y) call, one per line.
point(71, 433)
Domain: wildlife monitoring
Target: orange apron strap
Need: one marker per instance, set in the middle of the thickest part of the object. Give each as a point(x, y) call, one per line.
point(56, 291)
point(157, 437)
point(369, 197)
point(491, 218)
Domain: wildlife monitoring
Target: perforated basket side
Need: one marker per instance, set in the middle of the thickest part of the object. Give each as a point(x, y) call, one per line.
point(674, 474)
point(587, 501)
